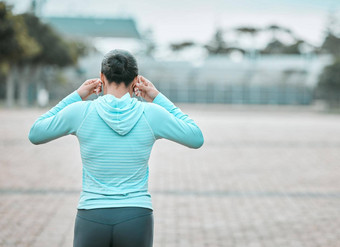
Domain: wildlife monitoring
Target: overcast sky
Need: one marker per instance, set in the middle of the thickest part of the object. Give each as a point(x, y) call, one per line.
point(179, 20)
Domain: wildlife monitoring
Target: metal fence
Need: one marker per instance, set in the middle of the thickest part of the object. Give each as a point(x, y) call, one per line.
point(236, 94)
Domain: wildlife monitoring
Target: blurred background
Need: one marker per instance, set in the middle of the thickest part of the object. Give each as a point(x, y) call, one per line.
point(261, 78)
point(244, 52)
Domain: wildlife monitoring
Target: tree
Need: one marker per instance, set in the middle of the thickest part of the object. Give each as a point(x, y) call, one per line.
point(274, 47)
point(15, 44)
point(275, 29)
point(53, 51)
point(329, 84)
point(149, 43)
point(277, 47)
point(328, 87)
point(217, 45)
point(331, 44)
point(181, 45)
point(252, 31)
point(26, 46)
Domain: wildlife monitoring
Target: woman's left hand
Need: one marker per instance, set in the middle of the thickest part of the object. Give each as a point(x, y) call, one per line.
point(89, 87)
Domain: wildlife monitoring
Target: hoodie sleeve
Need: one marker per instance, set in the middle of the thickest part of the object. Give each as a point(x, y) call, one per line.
point(169, 122)
point(61, 120)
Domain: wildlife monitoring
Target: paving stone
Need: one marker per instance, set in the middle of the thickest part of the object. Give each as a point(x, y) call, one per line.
point(263, 178)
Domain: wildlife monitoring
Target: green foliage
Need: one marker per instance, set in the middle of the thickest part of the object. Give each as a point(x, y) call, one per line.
point(76, 49)
point(182, 45)
point(277, 47)
point(248, 30)
point(24, 39)
point(274, 47)
point(332, 44)
point(54, 50)
point(4, 68)
point(329, 83)
point(217, 44)
point(15, 42)
point(330, 78)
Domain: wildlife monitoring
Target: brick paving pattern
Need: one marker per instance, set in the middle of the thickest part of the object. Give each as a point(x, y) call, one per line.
point(264, 177)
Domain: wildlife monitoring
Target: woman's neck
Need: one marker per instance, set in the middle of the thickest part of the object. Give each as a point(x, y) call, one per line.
point(117, 90)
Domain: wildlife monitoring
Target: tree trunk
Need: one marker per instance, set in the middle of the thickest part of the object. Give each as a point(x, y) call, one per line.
point(37, 82)
point(10, 86)
point(24, 77)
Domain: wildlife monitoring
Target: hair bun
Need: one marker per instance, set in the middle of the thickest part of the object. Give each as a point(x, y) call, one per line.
point(119, 64)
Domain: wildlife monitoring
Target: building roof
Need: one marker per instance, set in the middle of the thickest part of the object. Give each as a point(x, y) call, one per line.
point(95, 27)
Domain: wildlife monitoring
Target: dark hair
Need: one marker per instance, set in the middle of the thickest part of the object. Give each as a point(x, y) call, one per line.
point(119, 66)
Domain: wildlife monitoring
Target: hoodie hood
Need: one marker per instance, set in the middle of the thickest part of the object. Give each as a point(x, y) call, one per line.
point(121, 114)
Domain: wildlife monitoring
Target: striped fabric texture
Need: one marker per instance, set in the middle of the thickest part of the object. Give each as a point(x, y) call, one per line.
point(116, 136)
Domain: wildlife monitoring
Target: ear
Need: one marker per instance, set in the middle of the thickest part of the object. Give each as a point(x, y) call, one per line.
point(102, 78)
point(132, 86)
point(133, 83)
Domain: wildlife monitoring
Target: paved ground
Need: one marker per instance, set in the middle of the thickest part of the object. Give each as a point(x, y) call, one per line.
point(263, 178)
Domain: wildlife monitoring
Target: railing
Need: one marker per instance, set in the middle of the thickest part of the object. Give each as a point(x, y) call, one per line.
point(237, 94)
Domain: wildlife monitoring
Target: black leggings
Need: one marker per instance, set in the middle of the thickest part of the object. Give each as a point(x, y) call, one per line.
point(118, 227)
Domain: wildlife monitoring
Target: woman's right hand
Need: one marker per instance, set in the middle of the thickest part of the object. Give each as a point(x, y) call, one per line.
point(89, 87)
point(145, 89)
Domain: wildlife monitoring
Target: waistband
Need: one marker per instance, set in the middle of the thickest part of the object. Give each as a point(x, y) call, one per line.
point(111, 216)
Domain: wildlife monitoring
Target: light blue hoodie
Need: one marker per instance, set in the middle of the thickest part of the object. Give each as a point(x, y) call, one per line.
point(116, 136)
